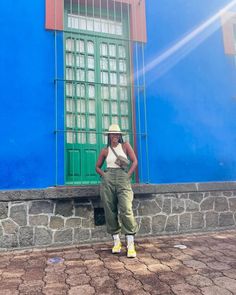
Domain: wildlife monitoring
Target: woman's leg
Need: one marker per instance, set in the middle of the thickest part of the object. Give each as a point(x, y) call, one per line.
point(129, 224)
point(125, 199)
point(110, 203)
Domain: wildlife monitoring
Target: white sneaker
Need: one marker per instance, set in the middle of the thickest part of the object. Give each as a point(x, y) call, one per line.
point(131, 252)
point(117, 247)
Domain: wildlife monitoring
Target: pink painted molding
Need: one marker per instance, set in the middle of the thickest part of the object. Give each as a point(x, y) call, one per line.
point(55, 10)
point(228, 21)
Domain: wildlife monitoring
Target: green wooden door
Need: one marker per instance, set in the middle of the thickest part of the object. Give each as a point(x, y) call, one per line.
point(97, 94)
point(82, 114)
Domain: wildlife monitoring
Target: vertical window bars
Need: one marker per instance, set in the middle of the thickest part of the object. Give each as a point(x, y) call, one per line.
point(100, 86)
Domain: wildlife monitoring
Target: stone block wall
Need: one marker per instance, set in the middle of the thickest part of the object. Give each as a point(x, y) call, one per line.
point(47, 223)
point(185, 212)
point(53, 222)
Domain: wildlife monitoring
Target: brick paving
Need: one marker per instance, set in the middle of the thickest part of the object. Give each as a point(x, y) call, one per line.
point(206, 266)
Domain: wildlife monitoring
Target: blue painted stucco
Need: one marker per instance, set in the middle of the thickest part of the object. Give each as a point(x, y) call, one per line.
point(27, 150)
point(191, 104)
point(190, 97)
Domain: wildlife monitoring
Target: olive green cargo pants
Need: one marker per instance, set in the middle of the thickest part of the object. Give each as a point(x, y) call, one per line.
point(117, 196)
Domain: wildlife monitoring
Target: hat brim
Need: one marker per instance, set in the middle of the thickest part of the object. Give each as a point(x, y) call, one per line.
point(114, 132)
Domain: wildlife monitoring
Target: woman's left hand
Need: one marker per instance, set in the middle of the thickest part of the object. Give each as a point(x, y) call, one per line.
point(129, 175)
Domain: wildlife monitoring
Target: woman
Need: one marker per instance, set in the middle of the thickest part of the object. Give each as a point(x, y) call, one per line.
point(116, 191)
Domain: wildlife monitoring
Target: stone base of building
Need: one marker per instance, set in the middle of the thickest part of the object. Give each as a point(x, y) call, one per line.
point(72, 215)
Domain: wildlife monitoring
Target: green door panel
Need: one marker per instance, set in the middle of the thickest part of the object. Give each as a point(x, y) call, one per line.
point(90, 157)
point(73, 163)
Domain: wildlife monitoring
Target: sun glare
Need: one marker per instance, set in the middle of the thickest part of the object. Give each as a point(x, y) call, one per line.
point(172, 55)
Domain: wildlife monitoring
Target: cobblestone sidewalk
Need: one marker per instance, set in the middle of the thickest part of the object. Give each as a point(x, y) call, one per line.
point(203, 264)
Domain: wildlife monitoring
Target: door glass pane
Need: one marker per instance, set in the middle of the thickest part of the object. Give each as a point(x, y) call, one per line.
point(104, 92)
point(82, 23)
point(104, 27)
point(125, 123)
point(122, 65)
point(90, 47)
point(69, 89)
point(119, 29)
point(122, 51)
point(123, 93)
point(103, 49)
point(92, 122)
point(69, 59)
point(91, 91)
point(91, 77)
point(114, 107)
point(113, 78)
point(127, 137)
point(112, 64)
point(80, 75)
point(70, 44)
point(124, 108)
point(80, 61)
point(112, 50)
point(81, 137)
point(70, 137)
point(70, 105)
point(106, 122)
point(90, 24)
point(100, 25)
point(81, 121)
point(92, 138)
point(69, 74)
point(97, 25)
point(80, 105)
point(70, 120)
point(113, 92)
point(123, 79)
point(80, 46)
point(104, 139)
point(115, 120)
point(90, 62)
point(112, 28)
point(70, 22)
point(104, 77)
point(104, 63)
point(91, 106)
point(80, 90)
point(106, 107)
point(73, 22)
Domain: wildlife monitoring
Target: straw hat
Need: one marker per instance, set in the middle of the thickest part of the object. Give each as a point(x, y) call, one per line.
point(114, 128)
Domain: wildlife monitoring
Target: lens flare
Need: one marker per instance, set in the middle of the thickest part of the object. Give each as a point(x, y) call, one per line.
point(172, 55)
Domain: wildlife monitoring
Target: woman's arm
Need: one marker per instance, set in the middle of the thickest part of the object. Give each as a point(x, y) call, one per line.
point(130, 152)
point(100, 161)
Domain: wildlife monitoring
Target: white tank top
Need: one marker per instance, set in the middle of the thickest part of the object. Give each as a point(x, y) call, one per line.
point(111, 157)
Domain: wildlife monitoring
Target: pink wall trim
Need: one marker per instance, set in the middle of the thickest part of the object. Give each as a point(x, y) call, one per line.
point(54, 15)
point(228, 21)
point(55, 10)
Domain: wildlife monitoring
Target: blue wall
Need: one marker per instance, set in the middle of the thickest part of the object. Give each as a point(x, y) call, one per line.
point(190, 95)
point(27, 150)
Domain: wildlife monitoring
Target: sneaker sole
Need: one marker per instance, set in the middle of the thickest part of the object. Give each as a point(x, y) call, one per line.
point(132, 256)
point(116, 252)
